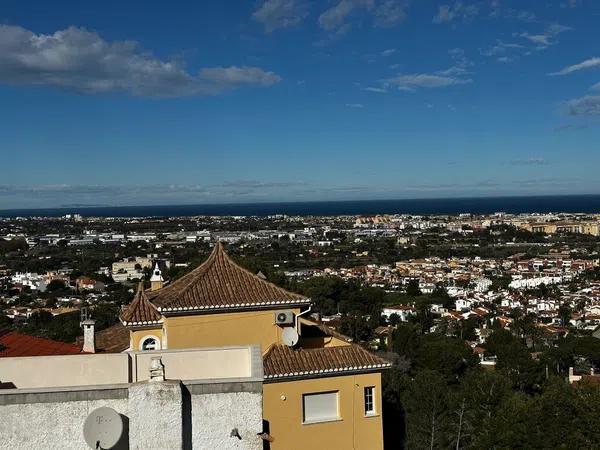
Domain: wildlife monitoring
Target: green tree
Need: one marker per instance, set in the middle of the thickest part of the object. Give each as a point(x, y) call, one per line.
point(5, 322)
point(405, 340)
point(448, 356)
point(356, 327)
point(412, 288)
point(564, 313)
point(56, 285)
point(424, 317)
point(427, 404)
point(515, 360)
point(65, 327)
point(39, 320)
point(480, 396)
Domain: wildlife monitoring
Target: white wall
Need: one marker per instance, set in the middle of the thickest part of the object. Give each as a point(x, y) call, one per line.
point(215, 415)
point(160, 416)
point(56, 425)
point(117, 368)
point(65, 370)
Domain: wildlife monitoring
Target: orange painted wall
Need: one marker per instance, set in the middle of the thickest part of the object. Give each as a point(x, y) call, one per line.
point(282, 407)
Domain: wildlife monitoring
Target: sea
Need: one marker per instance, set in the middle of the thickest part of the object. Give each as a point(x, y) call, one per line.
point(479, 205)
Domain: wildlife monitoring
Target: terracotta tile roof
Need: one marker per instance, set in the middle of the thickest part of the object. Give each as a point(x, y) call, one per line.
point(113, 339)
point(281, 361)
point(140, 312)
point(219, 283)
point(17, 344)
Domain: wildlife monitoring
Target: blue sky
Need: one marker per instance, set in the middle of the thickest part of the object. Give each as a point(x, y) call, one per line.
point(122, 103)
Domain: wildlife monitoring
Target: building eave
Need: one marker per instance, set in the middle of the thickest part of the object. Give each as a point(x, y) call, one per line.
point(231, 307)
point(341, 371)
point(143, 324)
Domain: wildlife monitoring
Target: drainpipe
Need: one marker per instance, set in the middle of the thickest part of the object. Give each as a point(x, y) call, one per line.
point(301, 314)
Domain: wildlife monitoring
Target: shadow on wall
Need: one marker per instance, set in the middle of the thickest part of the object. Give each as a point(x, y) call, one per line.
point(266, 430)
point(186, 400)
point(123, 443)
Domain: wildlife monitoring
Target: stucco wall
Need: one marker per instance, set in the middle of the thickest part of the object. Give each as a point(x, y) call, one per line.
point(195, 364)
point(216, 330)
point(65, 370)
point(284, 411)
point(214, 416)
point(156, 416)
point(115, 368)
point(137, 335)
point(160, 416)
point(55, 424)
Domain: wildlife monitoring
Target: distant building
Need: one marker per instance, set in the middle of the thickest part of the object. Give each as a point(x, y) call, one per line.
point(402, 311)
point(89, 284)
point(130, 269)
point(583, 227)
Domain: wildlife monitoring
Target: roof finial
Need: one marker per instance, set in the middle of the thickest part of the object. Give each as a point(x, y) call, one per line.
point(156, 280)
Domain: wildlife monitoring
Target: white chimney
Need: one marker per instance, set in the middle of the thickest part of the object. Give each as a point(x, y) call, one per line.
point(89, 336)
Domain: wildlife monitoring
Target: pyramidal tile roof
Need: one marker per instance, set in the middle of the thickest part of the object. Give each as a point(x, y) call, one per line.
point(219, 283)
point(140, 312)
point(281, 361)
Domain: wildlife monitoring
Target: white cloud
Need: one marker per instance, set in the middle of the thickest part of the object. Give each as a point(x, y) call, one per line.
point(501, 47)
point(224, 77)
point(388, 52)
point(588, 105)
point(531, 161)
point(385, 13)
point(80, 60)
point(458, 11)
point(461, 63)
point(412, 82)
point(511, 51)
point(453, 76)
point(570, 4)
point(355, 105)
point(587, 64)
point(375, 89)
point(525, 16)
point(390, 12)
point(335, 17)
point(274, 14)
point(547, 38)
point(538, 39)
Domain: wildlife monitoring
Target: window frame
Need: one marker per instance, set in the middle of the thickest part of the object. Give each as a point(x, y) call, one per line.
point(145, 338)
point(369, 400)
point(337, 417)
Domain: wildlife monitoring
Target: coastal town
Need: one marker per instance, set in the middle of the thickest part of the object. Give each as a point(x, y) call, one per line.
point(477, 269)
point(296, 224)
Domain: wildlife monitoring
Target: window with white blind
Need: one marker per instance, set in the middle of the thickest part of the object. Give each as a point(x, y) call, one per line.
point(320, 407)
point(369, 400)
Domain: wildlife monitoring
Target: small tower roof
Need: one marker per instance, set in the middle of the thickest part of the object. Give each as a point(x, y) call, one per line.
point(156, 273)
point(140, 312)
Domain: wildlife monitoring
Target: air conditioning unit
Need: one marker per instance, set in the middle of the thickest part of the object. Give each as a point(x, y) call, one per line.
point(284, 318)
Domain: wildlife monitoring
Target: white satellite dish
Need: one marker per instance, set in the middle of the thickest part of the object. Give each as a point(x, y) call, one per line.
point(289, 336)
point(103, 428)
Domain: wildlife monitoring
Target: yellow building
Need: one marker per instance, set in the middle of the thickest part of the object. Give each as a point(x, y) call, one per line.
point(320, 390)
point(582, 227)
